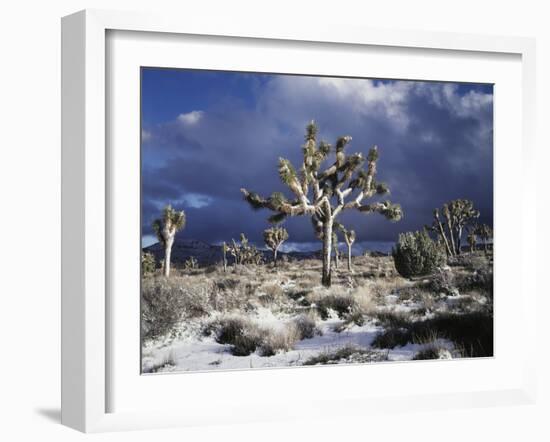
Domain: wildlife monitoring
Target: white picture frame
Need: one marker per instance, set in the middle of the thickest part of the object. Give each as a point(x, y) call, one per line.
point(85, 200)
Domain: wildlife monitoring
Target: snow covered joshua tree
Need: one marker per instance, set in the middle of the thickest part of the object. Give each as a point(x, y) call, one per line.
point(274, 237)
point(325, 194)
point(166, 228)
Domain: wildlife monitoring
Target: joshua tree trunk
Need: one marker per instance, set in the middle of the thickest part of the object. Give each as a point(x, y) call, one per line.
point(349, 258)
point(327, 246)
point(167, 254)
point(459, 240)
point(451, 235)
point(336, 256)
point(444, 236)
point(224, 252)
point(275, 256)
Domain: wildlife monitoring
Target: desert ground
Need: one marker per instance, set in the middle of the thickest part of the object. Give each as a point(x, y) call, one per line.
point(260, 316)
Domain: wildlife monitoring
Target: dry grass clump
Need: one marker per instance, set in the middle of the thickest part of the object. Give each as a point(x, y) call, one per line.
point(342, 304)
point(306, 325)
point(279, 340)
point(270, 294)
point(349, 354)
point(166, 362)
point(245, 336)
point(433, 352)
point(240, 332)
point(167, 301)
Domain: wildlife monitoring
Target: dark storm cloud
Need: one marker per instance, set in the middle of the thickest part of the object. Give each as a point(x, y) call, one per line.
point(435, 142)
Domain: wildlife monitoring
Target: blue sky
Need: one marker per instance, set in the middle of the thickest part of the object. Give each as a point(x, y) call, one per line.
point(206, 134)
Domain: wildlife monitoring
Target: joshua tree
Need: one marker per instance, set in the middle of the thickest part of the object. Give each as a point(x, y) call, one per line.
point(349, 237)
point(274, 237)
point(225, 249)
point(472, 240)
point(244, 253)
point(190, 263)
point(166, 228)
point(459, 214)
point(324, 194)
point(485, 232)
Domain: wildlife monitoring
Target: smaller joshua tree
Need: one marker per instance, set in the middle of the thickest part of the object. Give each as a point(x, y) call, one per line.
point(459, 214)
point(485, 232)
point(472, 240)
point(274, 237)
point(190, 263)
point(225, 249)
point(244, 253)
point(349, 238)
point(166, 228)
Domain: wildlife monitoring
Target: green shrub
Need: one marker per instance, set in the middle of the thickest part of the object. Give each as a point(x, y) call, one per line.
point(416, 254)
point(148, 264)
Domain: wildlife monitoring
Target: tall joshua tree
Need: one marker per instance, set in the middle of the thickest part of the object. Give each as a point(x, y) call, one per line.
point(324, 194)
point(349, 238)
point(459, 214)
point(274, 237)
point(166, 228)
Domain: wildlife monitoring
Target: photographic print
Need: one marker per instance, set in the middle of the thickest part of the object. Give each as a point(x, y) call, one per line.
point(293, 220)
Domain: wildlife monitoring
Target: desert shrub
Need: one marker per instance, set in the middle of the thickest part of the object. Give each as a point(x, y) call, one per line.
point(443, 282)
point(227, 284)
point(167, 361)
point(481, 279)
point(347, 354)
point(433, 352)
point(148, 264)
point(241, 333)
point(306, 326)
point(342, 304)
point(167, 301)
point(274, 341)
point(391, 338)
point(417, 254)
point(472, 331)
point(270, 293)
point(356, 318)
point(394, 319)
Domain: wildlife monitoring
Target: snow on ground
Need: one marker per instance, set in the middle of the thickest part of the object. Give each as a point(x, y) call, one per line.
point(193, 352)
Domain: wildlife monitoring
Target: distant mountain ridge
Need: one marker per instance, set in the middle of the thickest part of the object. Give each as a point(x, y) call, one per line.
point(207, 254)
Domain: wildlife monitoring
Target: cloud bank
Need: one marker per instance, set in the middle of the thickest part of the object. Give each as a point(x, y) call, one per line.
point(435, 142)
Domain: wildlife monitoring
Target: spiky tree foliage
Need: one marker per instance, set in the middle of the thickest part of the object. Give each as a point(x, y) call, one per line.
point(225, 249)
point(323, 194)
point(166, 228)
point(485, 232)
point(349, 238)
point(244, 252)
point(459, 214)
point(417, 254)
point(274, 237)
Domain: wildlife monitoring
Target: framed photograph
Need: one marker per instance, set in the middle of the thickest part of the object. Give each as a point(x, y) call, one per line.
point(260, 221)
